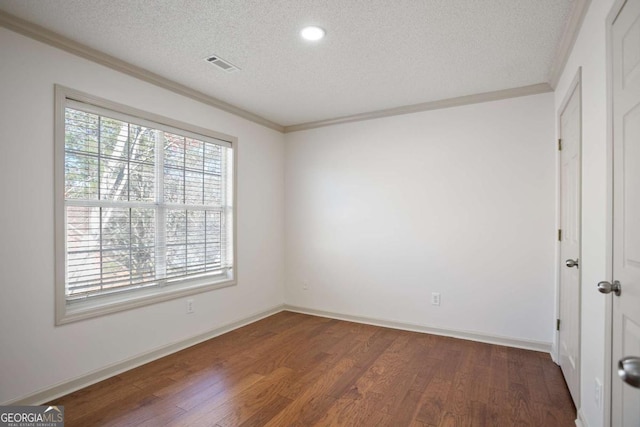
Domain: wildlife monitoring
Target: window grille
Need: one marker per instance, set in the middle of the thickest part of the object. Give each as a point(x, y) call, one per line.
point(147, 205)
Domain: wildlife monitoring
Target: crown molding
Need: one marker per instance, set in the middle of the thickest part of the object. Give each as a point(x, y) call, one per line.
point(571, 31)
point(51, 38)
point(426, 106)
point(41, 34)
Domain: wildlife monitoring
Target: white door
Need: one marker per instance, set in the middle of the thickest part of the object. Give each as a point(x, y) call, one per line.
point(626, 212)
point(570, 185)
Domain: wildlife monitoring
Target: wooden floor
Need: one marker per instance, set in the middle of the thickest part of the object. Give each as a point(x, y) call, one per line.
point(297, 370)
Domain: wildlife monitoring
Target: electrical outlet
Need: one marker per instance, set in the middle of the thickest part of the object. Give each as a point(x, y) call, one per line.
point(305, 286)
point(435, 298)
point(598, 393)
point(190, 306)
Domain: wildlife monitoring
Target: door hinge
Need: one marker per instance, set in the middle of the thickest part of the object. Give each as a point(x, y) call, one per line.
point(559, 144)
point(559, 235)
point(557, 324)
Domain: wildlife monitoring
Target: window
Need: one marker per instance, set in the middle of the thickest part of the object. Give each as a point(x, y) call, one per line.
point(144, 207)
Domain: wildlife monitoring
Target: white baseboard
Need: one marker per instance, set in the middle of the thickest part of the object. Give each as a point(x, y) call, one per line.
point(472, 336)
point(554, 351)
point(581, 420)
point(61, 389)
point(82, 381)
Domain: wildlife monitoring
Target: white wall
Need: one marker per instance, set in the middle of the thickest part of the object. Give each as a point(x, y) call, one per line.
point(34, 354)
point(381, 213)
point(589, 53)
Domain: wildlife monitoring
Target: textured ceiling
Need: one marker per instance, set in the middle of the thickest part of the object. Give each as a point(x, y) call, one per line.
point(377, 54)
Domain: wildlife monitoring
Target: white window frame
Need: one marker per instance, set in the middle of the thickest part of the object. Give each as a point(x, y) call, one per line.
point(66, 311)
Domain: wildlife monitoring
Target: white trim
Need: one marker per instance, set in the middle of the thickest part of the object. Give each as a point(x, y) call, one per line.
point(61, 389)
point(91, 103)
point(581, 421)
point(58, 41)
point(116, 113)
point(577, 80)
point(607, 386)
point(102, 305)
point(569, 37)
point(66, 387)
point(576, 85)
point(414, 327)
point(554, 350)
point(426, 106)
point(66, 313)
point(43, 35)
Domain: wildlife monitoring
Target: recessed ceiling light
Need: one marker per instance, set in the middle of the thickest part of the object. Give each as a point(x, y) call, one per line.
point(312, 33)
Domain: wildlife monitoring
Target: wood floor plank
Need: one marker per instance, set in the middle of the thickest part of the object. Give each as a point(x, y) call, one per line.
point(93, 403)
point(292, 369)
point(304, 350)
point(153, 414)
point(433, 401)
point(194, 381)
point(262, 394)
point(313, 401)
point(332, 356)
point(201, 412)
point(216, 393)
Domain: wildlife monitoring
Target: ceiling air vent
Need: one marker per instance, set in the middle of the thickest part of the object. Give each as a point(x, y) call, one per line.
point(222, 64)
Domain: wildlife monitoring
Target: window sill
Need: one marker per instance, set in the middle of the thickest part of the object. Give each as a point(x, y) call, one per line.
point(100, 306)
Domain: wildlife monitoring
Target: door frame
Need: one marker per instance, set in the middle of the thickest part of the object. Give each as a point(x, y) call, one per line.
point(616, 8)
point(576, 84)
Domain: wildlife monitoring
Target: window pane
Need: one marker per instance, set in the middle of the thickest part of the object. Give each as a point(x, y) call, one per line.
point(80, 176)
point(173, 150)
point(196, 237)
point(116, 240)
point(176, 226)
point(212, 189)
point(193, 188)
point(195, 227)
point(83, 272)
point(142, 182)
point(83, 248)
point(81, 131)
point(173, 185)
point(143, 265)
point(114, 212)
point(194, 154)
point(196, 259)
point(143, 228)
point(114, 182)
point(176, 260)
point(176, 242)
point(115, 270)
point(213, 158)
point(214, 227)
point(142, 144)
point(142, 244)
point(114, 138)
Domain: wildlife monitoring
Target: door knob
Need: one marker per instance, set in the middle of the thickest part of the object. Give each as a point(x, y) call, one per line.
point(629, 370)
point(606, 287)
point(572, 263)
